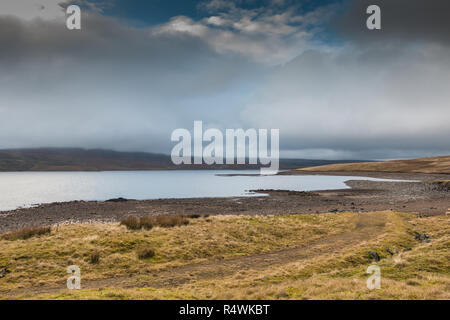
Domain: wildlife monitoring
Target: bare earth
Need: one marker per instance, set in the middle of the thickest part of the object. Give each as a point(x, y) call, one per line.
point(364, 196)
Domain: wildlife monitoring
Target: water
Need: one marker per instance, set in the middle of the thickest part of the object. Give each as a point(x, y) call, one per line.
point(24, 189)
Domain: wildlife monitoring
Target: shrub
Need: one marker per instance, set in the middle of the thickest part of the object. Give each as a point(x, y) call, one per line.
point(145, 253)
point(26, 233)
point(94, 258)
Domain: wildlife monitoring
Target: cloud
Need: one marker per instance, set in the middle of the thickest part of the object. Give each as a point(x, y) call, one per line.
point(269, 35)
point(405, 20)
point(32, 9)
point(110, 85)
point(243, 64)
point(376, 97)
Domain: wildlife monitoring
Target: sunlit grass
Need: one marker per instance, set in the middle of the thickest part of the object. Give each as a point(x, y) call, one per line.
point(329, 269)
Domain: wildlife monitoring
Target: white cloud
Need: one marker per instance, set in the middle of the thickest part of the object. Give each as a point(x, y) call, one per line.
point(269, 36)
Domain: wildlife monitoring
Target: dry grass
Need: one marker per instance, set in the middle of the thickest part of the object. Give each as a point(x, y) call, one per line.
point(26, 233)
point(147, 223)
point(423, 165)
point(94, 258)
point(132, 223)
point(334, 268)
point(145, 253)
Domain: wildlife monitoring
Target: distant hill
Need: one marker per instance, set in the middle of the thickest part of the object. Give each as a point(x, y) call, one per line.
point(62, 159)
point(57, 159)
point(422, 165)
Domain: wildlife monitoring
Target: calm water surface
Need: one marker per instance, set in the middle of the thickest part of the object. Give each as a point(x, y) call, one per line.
point(24, 189)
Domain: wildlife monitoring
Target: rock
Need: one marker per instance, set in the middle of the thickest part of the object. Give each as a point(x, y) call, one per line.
point(334, 211)
point(374, 255)
point(117, 200)
point(4, 272)
point(423, 237)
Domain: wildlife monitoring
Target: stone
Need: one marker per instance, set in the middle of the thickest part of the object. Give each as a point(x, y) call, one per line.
point(374, 255)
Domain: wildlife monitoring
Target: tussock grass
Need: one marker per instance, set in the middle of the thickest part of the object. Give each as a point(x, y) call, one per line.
point(94, 258)
point(335, 268)
point(132, 223)
point(147, 223)
point(26, 233)
point(145, 253)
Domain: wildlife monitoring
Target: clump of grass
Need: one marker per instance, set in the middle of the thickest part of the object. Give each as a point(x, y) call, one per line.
point(134, 223)
point(197, 216)
point(26, 233)
point(147, 223)
point(145, 253)
point(94, 258)
point(170, 221)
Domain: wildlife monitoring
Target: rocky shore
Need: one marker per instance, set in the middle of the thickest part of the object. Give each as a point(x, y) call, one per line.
point(417, 196)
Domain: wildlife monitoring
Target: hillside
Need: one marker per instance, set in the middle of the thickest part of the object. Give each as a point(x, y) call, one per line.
point(79, 160)
point(432, 165)
point(64, 159)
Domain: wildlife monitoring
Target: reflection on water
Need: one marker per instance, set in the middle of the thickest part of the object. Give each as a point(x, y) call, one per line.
point(28, 188)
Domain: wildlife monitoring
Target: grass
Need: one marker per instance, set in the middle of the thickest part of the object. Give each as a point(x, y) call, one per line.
point(132, 223)
point(145, 253)
point(226, 256)
point(423, 165)
point(94, 258)
point(147, 223)
point(26, 233)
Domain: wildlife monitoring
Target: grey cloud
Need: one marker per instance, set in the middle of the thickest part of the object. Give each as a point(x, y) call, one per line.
point(109, 85)
point(381, 94)
point(116, 86)
point(409, 20)
point(392, 101)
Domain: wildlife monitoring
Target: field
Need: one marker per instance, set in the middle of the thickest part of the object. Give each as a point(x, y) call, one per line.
point(434, 165)
point(314, 256)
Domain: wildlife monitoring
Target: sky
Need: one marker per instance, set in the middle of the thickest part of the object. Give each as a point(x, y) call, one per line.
point(137, 70)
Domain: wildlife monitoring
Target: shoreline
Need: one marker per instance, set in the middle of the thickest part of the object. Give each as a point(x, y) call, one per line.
point(373, 174)
point(362, 196)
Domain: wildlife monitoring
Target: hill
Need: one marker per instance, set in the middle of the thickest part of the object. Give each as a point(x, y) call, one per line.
point(48, 159)
point(434, 165)
point(64, 159)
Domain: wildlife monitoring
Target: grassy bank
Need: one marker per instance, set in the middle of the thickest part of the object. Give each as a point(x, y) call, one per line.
point(434, 165)
point(226, 257)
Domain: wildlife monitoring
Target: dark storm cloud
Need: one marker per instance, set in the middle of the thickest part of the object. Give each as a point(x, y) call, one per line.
point(409, 20)
point(380, 94)
point(113, 85)
point(108, 85)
